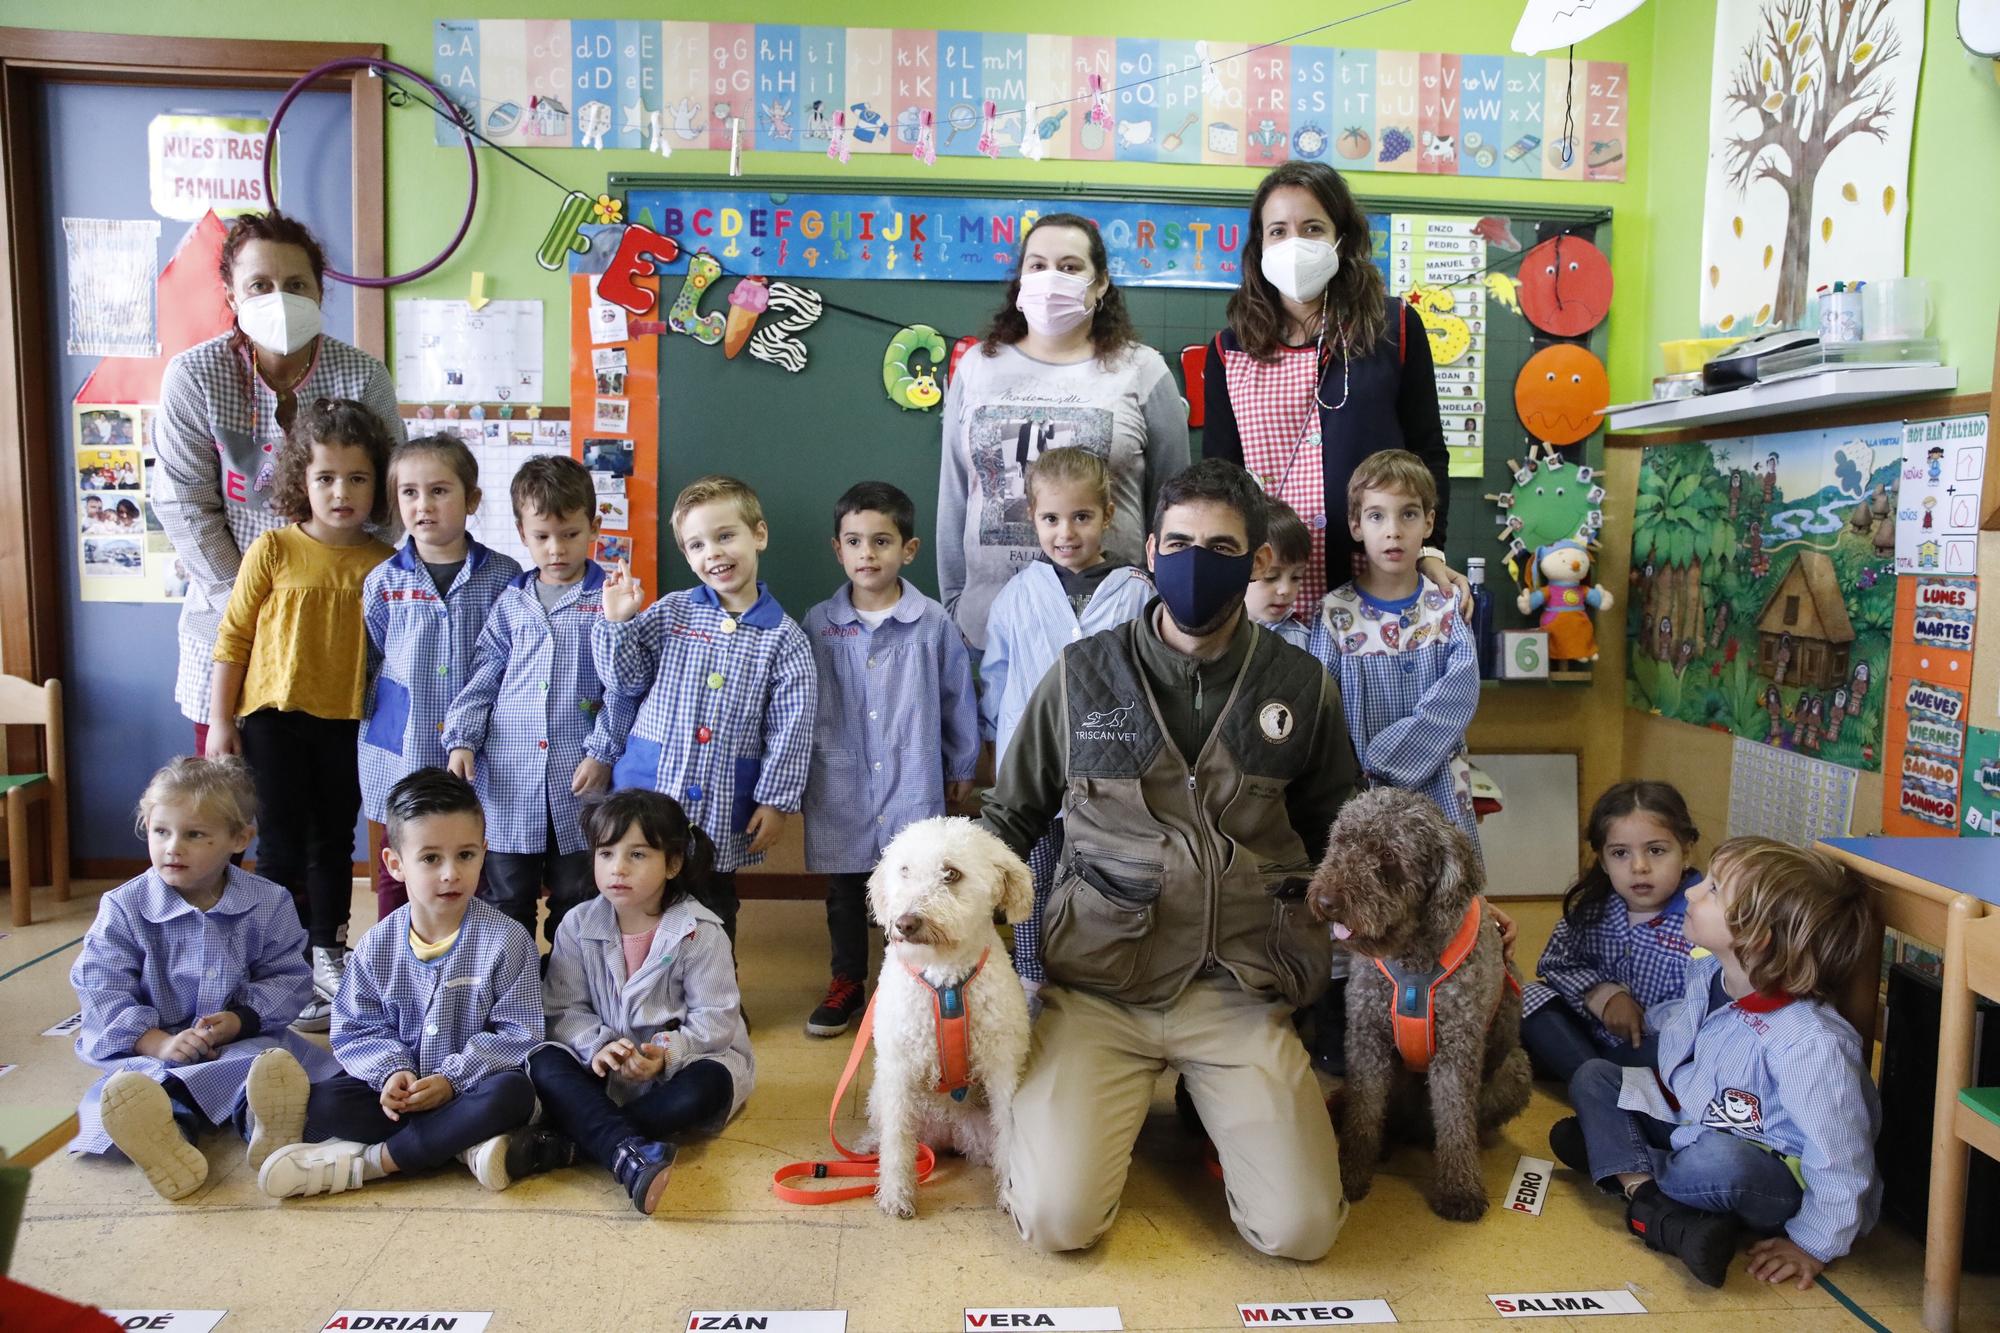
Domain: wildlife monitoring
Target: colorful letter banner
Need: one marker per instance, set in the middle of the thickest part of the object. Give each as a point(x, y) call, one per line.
point(563, 83)
point(827, 236)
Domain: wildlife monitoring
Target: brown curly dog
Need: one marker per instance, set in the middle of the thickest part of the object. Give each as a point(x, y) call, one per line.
point(1399, 885)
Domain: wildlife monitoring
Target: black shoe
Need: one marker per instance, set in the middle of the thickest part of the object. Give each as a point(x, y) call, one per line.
point(537, 1149)
point(845, 999)
point(641, 1166)
point(1566, 1142)
point(1705, 1242)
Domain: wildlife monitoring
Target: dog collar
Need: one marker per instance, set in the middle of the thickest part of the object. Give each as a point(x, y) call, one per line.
point(1413, 991)
point(954, 1030)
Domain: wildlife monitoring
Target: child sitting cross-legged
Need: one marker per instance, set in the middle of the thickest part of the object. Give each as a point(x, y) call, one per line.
point(646, 1033)
point(438, 1008)
point(1762, 1114)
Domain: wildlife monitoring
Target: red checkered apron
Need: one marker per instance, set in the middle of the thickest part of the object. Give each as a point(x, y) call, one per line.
point(1278, 419)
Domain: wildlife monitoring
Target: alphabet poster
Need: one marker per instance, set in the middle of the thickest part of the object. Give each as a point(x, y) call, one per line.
point(1930, 680)
point(563, 83)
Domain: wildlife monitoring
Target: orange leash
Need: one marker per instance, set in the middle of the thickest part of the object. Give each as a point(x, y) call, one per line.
point(854, 1164)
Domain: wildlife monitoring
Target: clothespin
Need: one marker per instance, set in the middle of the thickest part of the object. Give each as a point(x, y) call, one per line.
point(1100, 103)
point(836, 143)
point(1032, 146)
point(534, 414)
point(660, 143)
point(736, 145)
point(477, 412)
point(425, 412)
point(989, 134)
point(926, 151)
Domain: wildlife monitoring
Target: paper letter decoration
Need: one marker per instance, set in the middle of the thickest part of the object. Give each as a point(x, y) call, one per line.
point(638, 250)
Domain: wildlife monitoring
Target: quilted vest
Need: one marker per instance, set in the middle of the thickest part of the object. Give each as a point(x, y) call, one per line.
point(1171, 869)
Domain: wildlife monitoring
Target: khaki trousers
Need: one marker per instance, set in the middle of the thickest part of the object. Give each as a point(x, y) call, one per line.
point(1089, 1084)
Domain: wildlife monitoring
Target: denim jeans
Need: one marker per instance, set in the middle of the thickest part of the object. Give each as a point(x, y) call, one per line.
point(1559, 1042)
point(1718, 1172)
point(578, 1104)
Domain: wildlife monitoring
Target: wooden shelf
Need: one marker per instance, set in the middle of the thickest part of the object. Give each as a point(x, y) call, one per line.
point(1817, 392)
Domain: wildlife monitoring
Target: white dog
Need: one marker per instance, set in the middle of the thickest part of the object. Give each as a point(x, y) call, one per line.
point(935, 892)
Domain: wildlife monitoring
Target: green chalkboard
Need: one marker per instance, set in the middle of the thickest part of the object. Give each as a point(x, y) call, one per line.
point(801, 439)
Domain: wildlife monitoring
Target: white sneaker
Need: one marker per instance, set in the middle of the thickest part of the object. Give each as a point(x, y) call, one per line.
point(329, 966)
point(276, 1095)
point(139, 1117)
point(488, 1162)
point(300, 1169)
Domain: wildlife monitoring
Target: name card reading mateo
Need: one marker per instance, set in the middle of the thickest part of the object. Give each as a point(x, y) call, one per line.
point(1557, 1304)
point(771, 1321)
point(1314, 1314)
point(1065, 1319)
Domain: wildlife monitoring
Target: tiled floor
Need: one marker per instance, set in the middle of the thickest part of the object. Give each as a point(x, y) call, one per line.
point(567, 1252)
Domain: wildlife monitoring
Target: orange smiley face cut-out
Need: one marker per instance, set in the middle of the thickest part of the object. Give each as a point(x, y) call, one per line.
point(1560, 394)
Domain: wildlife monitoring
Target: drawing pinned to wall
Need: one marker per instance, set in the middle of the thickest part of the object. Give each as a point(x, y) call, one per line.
point(1937, 512)
point(189, 308)
point(1565, 286)
point(447, 352)
point(1810, 119)
point(122, 553)
point(114, 266)
point(1930, 675)
point(1762, 596)
point(1561, 393)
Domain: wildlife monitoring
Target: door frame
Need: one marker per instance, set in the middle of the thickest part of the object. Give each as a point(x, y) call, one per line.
point(31, 602)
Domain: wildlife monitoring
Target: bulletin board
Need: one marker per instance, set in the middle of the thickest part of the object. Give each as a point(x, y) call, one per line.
point(802, 438)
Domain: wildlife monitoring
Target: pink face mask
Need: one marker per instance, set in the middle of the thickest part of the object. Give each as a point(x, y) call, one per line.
point(1053, 302)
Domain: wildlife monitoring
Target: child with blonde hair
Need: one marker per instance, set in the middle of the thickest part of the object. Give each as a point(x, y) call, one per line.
point(1762, 1115)
point(190, 976)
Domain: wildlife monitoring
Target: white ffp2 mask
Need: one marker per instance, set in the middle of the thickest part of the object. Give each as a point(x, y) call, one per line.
point(280, 322)
point(1300, 266)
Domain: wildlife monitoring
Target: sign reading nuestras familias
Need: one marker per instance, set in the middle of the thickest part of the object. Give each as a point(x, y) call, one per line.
point(203, 163)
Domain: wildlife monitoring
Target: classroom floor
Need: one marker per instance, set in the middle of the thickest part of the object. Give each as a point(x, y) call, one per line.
point(567, 1251)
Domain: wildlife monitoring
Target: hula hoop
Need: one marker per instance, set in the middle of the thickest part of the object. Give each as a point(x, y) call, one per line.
point(471, 160)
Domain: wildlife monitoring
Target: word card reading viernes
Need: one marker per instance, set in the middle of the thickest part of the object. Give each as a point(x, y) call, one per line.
point(402, 1321)
point(1314, 1314)
point(1066, 1319)
point(1551, 1304)
point(1531, 1186)
point(773, 1321)
point(178, 1321)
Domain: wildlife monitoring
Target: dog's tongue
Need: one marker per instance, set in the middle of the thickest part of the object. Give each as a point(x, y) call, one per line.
point(1341, 932)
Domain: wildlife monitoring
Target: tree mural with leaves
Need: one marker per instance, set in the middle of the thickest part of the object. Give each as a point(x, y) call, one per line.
point(1680, 525)
point(1813, 77)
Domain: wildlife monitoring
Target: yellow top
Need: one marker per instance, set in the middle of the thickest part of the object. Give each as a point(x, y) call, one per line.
point(430, 953)
point(295, 618)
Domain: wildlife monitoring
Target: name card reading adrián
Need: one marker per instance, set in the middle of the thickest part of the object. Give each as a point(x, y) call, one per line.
point(405, 1321)
point(1064, 1319)
point(1313, 1314)
point(1558, 1304)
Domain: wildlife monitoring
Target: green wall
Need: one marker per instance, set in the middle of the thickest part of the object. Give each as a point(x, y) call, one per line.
point(1954, 190)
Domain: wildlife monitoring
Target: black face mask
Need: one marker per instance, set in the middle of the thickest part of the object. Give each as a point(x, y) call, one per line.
point(1202, 588)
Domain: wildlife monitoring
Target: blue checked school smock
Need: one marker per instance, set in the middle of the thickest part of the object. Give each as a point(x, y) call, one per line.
point(1030, 623)
point(897, 718)
point(1294, 632)
point(420, 648)
point(476, 1011)
point(152, 961)
point(1784, 1073)
point(1409, 685)
point(725, 722)
point(532, 710)
point(1648, 958)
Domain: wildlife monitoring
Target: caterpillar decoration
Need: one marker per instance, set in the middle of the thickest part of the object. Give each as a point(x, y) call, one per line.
point(914, 388)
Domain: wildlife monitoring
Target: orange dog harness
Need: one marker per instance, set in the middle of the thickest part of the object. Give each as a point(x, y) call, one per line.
point(954, 1039)
point(1413, 1001)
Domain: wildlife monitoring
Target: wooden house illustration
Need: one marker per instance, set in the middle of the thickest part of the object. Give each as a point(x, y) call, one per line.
point(1808, 607)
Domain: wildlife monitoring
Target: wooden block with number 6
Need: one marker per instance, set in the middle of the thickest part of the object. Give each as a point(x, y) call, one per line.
point(1524, 654)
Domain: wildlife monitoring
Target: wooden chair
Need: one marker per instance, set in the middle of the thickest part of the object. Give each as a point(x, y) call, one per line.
point(23, 703)
point(1966, 1115)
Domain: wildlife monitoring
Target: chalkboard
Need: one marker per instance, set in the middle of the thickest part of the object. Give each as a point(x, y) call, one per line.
point(801, 439)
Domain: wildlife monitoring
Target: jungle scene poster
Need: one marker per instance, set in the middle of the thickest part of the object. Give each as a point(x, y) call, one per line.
point(1763, 594)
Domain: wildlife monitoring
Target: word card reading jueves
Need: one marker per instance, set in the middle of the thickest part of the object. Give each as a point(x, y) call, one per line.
point(175, 1321)
point(1557, 1304)
point(771, 1321)
point(1313, 1314)
point(1080, 1318)
point(1531, 1186)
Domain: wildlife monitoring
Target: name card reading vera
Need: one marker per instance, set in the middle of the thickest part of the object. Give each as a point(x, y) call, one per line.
point(1063, 1319)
